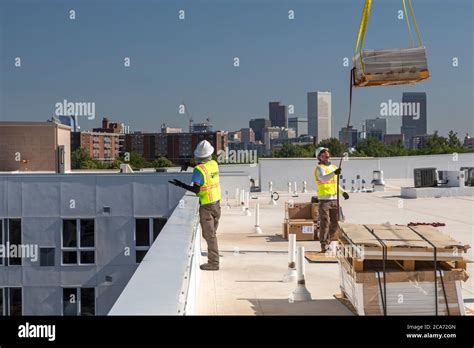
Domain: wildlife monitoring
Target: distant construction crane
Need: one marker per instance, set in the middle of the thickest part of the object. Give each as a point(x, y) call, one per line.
point(189, 117)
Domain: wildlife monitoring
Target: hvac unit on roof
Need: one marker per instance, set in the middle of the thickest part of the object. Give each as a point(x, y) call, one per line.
point(468, 175)
point(425, 177)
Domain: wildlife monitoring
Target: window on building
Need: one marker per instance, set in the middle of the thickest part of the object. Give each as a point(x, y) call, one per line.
point(70, 301)
point(11, 301)
point(69, 233)
point(16, 302)
point(46, 256)
point(78, 245)
point(87, 301)
point(142, 232)
point(14, 238)
point(78, 301)
point(146, 231)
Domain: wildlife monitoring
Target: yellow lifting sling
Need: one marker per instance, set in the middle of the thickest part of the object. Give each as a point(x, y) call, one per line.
point(389, 66)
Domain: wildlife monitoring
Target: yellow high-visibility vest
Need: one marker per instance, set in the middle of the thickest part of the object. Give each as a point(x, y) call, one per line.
point(211, 190)
point(329, 187)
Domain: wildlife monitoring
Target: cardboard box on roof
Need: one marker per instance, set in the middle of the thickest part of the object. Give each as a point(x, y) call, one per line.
point(298, 210)
point(303, 228)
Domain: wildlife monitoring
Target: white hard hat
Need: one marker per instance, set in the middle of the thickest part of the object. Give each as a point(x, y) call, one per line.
point(319, 150)
point(203, 149)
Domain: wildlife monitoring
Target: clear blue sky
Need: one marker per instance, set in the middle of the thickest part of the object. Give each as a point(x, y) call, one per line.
point(192, 60)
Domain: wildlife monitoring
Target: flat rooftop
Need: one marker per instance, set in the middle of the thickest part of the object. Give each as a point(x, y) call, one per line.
point(252, 266)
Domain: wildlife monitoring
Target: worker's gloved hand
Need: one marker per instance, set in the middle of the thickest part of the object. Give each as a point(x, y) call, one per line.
point(184, 166)
point(176, 182)
point(345, 195)
point(337, 171)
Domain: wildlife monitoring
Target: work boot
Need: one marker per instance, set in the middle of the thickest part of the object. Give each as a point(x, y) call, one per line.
point(323, 249)
point(209, 267)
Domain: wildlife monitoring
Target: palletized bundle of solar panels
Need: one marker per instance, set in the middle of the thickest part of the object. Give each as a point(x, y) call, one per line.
point(391, 270)
point(390, 66)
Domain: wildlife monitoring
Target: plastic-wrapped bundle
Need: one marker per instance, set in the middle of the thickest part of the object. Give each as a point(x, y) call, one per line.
point(390, 269)
point(390, 66)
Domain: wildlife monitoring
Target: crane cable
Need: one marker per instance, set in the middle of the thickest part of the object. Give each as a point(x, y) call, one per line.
point(346, 135)
point(358, 49)
point(415, 24)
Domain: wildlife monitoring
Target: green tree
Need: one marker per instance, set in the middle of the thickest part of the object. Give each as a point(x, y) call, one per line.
point(371, 147)
point(80, 159)
point(454, 143)
point(336, 148)
point(137, 161)
point(397, 149)
point(292, 150)
point(162, 162)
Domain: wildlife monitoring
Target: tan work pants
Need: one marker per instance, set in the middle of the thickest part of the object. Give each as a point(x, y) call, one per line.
point(209, 215)
point(327, 221)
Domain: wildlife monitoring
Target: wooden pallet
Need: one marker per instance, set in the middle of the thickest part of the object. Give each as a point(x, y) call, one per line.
point(319, 257)
point(403, 244)
point(370, 80)
point(342, 298)
point(395, 270)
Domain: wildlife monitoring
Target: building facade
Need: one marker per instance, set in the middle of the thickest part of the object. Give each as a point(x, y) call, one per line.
point(177, 147)
point(299, 124)
point(35, 146)
point(100, 146)
point(348, 136)
point(414, 124)
point(278, 114)
point(82, 237)
point(247, 135)
point(258, 124)
point(393, 139)
point(379, 125)
point(269, 134)
point(319, 115)
point(203, 127)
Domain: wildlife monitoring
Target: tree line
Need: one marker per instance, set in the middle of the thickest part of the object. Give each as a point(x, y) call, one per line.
point(80, 159)
point(372, 147)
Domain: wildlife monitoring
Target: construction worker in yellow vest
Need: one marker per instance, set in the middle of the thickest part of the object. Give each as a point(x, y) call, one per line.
point(326, 182)
point(207, 187)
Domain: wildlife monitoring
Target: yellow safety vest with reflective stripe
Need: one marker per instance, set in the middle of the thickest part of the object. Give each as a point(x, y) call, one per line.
point(329, 187)
point(211, 190)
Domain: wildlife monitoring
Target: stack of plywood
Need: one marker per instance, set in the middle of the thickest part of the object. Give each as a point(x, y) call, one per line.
point(390, 269)
point(390, 66)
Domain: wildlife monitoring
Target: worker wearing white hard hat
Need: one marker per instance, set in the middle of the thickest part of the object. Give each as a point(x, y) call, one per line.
point(206, 186)
point(325, 174)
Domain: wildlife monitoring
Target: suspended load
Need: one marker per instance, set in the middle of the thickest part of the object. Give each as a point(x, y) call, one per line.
point(389, 66)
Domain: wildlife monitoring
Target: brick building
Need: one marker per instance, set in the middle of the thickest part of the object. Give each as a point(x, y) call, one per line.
point(174, 146)
point(35, 146)
point(104, 147)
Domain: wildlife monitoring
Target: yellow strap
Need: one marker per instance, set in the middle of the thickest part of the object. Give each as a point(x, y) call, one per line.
point(363, 26)
point(408, 22)
point(415, 24)
point(365, 19)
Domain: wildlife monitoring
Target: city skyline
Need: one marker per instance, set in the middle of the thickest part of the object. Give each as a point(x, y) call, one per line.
point(174, 61)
